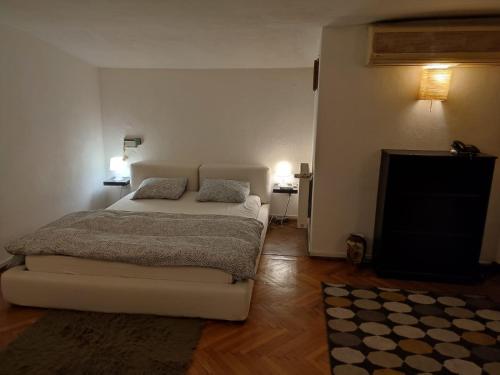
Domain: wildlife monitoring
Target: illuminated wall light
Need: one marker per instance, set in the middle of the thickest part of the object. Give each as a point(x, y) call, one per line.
point(435, 82)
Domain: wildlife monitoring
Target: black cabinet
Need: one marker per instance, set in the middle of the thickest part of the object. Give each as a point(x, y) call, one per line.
point(431, 212)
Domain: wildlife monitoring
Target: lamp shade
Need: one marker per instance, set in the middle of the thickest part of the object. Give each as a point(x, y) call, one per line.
point(118, 166)
point(283, 172)
point(435, 84)
point(283, 169)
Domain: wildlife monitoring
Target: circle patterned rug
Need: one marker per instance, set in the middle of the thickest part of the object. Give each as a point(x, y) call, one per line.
point(384, 331)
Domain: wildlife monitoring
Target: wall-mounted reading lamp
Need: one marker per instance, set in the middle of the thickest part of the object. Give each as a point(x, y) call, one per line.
point(118, 164)
point(130, 142)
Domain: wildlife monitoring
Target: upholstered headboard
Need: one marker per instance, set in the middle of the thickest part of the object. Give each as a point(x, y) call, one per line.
point(146, 169)
point(257, 175)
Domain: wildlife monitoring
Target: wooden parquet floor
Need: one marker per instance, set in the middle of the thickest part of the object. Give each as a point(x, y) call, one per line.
point(285, 331)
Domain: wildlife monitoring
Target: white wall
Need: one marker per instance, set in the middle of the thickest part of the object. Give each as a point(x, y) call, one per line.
point(51, 152)
point(364, 109)
point(235, 116)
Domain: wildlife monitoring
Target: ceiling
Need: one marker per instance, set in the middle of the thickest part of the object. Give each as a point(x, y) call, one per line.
point(208, 33)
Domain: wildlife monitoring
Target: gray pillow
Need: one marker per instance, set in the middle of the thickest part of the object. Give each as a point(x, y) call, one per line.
point(228, 191)
point(161, 188)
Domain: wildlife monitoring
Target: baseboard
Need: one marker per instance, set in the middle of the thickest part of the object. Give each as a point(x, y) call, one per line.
point(486, 262)
point(368, 257)
point(330, 254)
point(294, 217)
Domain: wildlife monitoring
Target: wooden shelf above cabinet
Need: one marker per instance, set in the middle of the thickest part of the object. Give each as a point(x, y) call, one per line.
point(450, 41)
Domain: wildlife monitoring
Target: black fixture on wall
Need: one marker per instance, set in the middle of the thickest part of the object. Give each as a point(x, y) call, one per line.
point(316, 75)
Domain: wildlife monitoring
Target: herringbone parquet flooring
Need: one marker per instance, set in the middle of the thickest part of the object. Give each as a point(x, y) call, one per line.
point(285, 331)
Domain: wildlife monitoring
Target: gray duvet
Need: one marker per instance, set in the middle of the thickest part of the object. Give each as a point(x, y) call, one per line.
point(228, 243)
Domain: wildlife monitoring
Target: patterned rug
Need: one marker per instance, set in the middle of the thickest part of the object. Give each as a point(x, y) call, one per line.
point(391, 331)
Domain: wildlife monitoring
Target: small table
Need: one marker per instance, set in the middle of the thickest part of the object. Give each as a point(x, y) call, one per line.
point(285, 190)
point(122, 182)
point(117, 181)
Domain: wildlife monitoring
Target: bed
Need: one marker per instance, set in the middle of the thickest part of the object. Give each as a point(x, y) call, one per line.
point(58, 281)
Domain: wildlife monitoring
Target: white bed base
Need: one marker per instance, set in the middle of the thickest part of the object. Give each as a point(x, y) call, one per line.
point(127, 295)
point(133, 295)
point(130, 295)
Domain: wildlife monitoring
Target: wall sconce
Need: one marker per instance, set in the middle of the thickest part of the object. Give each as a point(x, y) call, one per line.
point(435, 82)
point(130, 142)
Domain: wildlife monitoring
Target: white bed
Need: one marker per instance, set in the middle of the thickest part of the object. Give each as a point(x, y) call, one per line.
point(85, 284)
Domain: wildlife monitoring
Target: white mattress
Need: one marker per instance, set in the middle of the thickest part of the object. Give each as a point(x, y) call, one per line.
point(91, 267)
point(186, 204)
